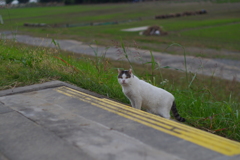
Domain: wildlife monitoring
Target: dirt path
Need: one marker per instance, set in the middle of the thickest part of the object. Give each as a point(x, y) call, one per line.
point(226, 69)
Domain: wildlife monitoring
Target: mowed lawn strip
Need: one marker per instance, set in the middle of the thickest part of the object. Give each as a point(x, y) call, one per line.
point(218, 29)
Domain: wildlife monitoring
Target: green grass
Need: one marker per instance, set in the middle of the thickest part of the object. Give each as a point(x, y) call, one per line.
point(217, 30)
point(216, 35)
point(200, 100)
point(227, 1)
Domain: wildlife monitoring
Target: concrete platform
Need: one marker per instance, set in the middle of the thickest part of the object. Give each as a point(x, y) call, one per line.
point(58, 121)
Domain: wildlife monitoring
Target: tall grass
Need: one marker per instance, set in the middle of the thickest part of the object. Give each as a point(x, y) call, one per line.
point(201, 101)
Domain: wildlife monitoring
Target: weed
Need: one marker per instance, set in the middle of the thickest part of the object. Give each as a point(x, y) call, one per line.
point(154, 66)
point(100, 61)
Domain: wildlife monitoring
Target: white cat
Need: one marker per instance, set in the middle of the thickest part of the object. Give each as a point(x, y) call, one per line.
point(144, 95)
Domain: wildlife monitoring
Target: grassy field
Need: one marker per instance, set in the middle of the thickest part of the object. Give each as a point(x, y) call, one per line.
point(219, 29)
point(200, 100)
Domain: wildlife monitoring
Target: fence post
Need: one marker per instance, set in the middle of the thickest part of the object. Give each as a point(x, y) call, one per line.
point(1, 19)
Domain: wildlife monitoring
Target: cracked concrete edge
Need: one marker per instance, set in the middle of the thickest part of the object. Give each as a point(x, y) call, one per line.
point(46, 85)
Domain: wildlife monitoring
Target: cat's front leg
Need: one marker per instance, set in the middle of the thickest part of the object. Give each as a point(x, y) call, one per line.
point(136, 103)
point(132, 103)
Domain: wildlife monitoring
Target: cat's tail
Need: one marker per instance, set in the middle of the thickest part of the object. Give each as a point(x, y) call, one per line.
point(175, 113)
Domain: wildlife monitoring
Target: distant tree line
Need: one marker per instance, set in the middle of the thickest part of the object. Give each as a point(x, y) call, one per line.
point(20, 1)
point(69, 2)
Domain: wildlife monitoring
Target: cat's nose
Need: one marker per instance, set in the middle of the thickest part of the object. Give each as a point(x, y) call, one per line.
point(123, 81)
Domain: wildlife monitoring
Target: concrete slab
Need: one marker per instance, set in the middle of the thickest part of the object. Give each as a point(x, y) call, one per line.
point(2, 157)
point(4, 109)
point(22, 139)
point(93, 127)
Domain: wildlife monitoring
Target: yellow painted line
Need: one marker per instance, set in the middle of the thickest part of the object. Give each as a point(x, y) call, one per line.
point(170, 123)
point(191, 133)
point(119, 110)
point(199, 137)
point(157, 118)
point(137, 111)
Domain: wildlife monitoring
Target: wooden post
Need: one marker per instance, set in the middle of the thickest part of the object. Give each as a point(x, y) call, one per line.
point(1, 19)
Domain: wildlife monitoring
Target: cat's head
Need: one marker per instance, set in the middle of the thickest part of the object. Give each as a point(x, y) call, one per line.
point(125, 77)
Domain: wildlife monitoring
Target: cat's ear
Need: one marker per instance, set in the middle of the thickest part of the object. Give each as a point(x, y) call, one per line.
point(130, 70)
point(119, 71)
